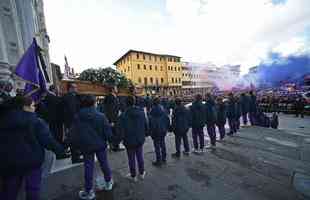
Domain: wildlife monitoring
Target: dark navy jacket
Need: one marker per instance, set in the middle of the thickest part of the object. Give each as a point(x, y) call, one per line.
point(244, 103)
point(165, 104)
point(238, 109)
point(252, 104)
point(181, 120)
point(210, 112)
point(221, 114)
point(111, 108)
point(198, 116)
point(94, 130)
point(148, 102)
point(231, 109)
point(133, 127)
point(23, 138)
point(159, 122)
point(71, 106)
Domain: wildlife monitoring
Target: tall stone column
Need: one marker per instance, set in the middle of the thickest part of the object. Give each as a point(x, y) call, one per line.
point(10, 38)
point(5, 73)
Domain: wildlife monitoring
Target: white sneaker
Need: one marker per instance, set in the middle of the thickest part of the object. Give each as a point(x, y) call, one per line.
point(133, 179)
point(87, 195)
point(100, 183)
point(196, 151)
point(142, 176)
point(109, 185)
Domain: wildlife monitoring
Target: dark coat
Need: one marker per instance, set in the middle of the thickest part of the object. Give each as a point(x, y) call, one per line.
point(210, 112)
point(252, 104)
point(238, 109)
point(181, 120)
point(93, 130)
point(148, 102)
point(23, 138)
point(111, 108)
point(198, 117)
point(53, 108)
point(165, 104)
point(274, 122)
point(231, 109)
point(244, 103)
point(133, 127)
point(159, 122)
point(221, 114)
point(71, 106)
point(140, 102)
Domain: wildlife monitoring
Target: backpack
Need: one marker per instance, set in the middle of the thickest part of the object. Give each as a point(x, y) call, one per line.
point(20, 151)
point(82, 136)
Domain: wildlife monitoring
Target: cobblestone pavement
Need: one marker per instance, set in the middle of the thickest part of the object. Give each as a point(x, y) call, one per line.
point(256, 164)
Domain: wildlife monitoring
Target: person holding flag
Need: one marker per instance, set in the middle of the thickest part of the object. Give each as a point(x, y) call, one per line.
point(24, 136)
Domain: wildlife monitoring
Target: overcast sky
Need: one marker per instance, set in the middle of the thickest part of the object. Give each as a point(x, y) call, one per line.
point(95, 33)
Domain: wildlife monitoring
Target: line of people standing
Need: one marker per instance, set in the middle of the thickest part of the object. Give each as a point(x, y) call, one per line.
point(89, 133)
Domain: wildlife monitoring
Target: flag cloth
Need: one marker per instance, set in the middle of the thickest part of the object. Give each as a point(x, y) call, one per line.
point(29, 70)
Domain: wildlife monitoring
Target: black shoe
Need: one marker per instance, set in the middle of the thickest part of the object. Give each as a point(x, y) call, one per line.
point(63, 156)
point(118, 149)
point(164, 162)
point(175, 155)
point(157, 164)
point(75, 161)
point(186, 153)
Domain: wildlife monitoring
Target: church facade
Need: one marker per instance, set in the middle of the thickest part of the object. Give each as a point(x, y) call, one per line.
point(20, 22)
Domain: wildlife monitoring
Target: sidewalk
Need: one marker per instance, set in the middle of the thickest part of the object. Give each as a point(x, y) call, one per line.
point(257, 164)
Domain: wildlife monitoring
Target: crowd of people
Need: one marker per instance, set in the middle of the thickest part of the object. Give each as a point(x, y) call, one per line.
point(89, 127)
point(287, 104)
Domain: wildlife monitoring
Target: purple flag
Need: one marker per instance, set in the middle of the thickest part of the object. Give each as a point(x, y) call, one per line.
point(29, 70)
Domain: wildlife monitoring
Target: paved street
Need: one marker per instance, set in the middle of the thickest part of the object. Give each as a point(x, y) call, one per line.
point(256, 164)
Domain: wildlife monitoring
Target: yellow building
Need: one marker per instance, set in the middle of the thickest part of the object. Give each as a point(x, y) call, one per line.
point(152, 71)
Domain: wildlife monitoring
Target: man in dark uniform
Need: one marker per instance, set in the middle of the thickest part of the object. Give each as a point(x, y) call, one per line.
point(231, 115)
point(55, 120)
point(211, 119)
point(198, 119)
point(112, 108)
point(252, 107)
point(299, 105)
point(71, 106)
point(221, 117)
point(244, 102)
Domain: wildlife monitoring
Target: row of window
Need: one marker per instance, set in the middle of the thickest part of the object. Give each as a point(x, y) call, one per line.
point(155, 58)
point(192, 75)
point(150, 58)
point(150, 67)
point(176, 80)
point(170, 68)
point(152, 81)
point(161, 68)
point(156, 80)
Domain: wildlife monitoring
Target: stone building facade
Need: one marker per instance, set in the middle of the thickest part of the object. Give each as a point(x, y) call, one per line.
point(20, 22)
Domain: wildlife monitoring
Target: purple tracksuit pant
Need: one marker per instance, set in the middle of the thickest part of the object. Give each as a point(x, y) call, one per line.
point(221, 128)
point(198, 135)
point(212, 133)
point(89, 163)
point(11, 185)
point(135, 154)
